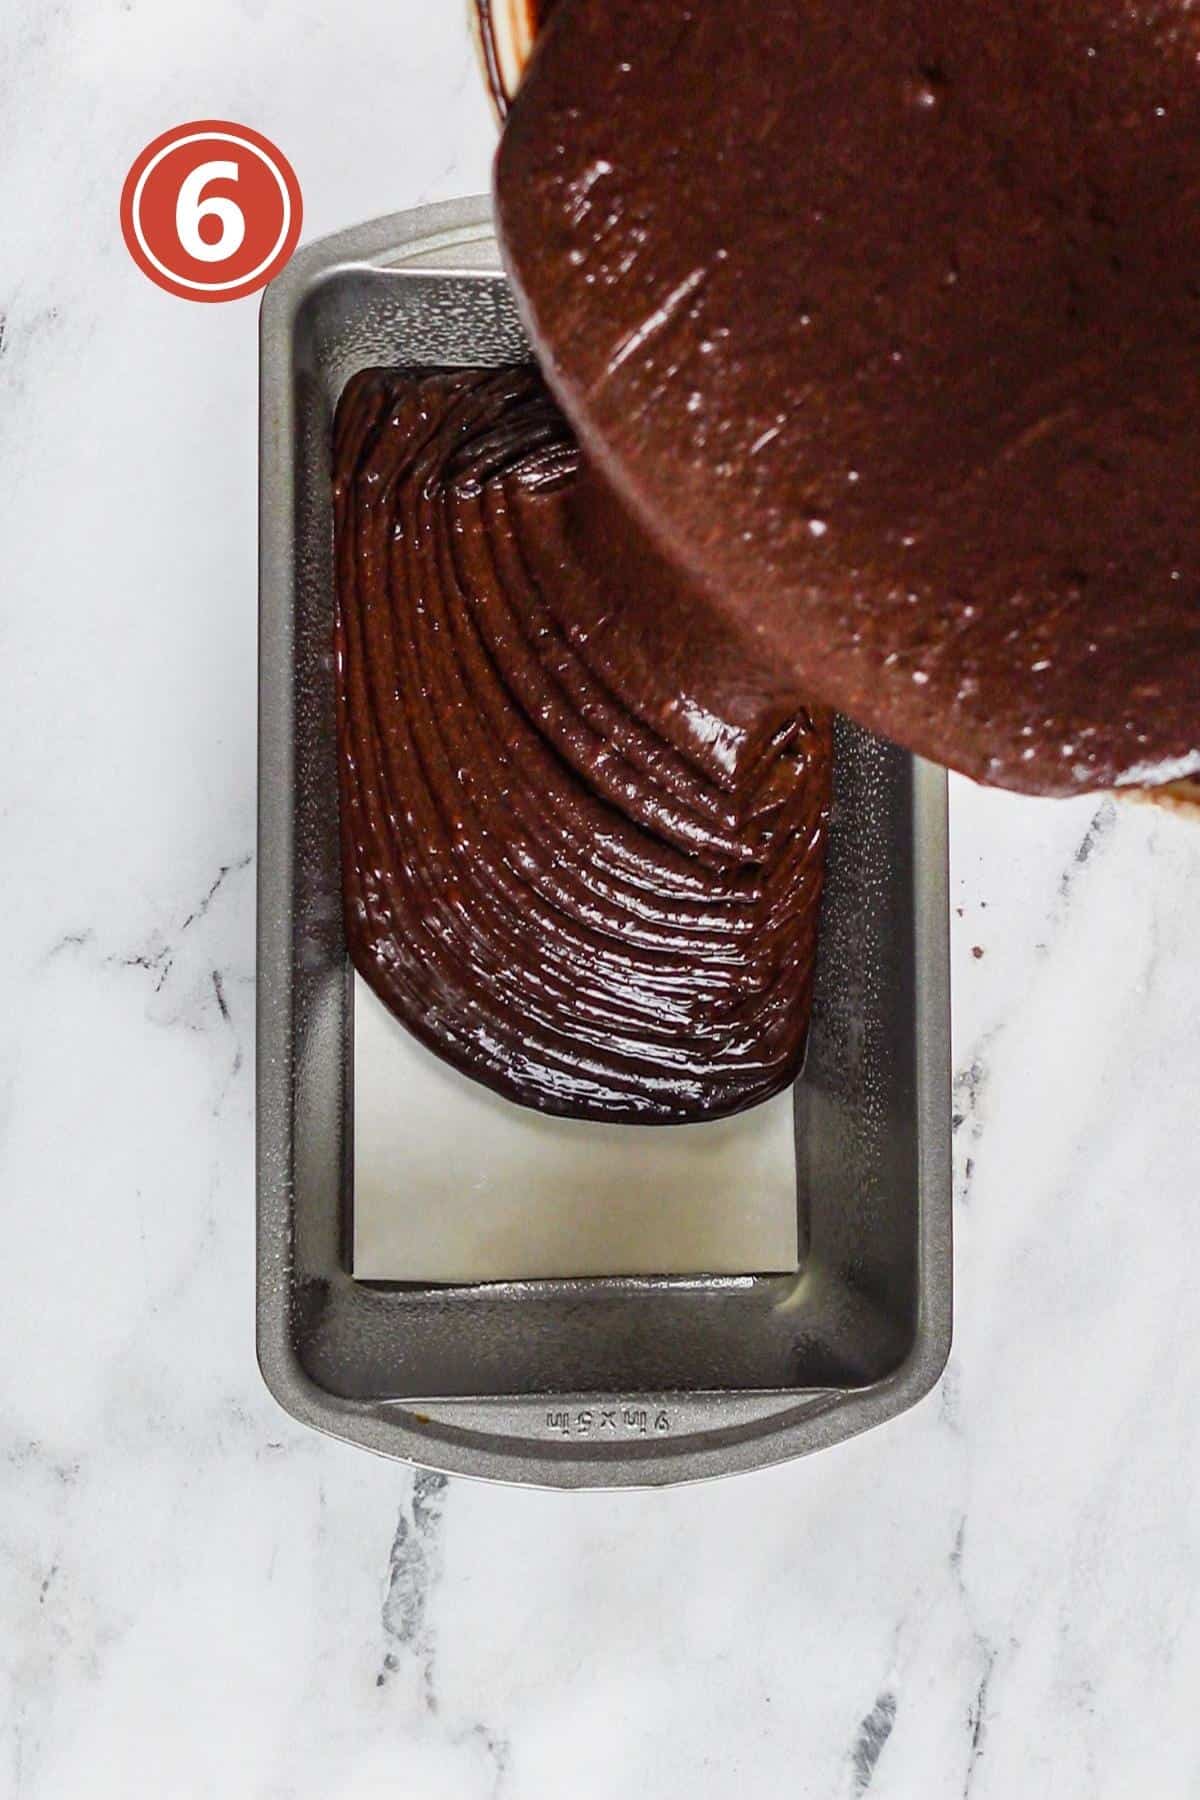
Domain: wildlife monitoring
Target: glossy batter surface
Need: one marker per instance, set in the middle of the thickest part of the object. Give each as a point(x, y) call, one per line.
point(884, 319)
point(583, 831)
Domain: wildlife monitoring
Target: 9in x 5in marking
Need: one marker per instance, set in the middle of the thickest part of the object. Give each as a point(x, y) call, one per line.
point(622, 1419)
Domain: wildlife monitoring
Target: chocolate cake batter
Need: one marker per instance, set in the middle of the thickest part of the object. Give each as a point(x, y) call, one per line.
point(883, 317)
point(582, 830)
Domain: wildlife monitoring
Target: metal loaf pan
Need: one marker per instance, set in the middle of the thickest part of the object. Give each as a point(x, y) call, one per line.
point(587, 1383)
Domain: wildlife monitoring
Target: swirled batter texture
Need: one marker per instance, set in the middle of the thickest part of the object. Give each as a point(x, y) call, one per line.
point(884, 317)
point(583, 830)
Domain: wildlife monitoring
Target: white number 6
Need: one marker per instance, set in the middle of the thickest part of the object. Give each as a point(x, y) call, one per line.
point(190, 209)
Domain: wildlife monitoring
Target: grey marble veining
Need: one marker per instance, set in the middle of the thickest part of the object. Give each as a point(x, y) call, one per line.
point(996, 1595)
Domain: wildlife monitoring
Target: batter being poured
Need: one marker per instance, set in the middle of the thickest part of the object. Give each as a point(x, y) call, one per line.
point(881, 323)
point(883, 317)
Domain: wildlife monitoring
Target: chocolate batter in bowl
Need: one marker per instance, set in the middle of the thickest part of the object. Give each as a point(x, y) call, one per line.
point(884, 322)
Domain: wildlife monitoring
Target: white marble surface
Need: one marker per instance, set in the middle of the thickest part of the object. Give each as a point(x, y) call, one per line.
point(995, 1595)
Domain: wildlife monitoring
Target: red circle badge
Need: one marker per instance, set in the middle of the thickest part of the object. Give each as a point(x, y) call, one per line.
point(211, 210)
